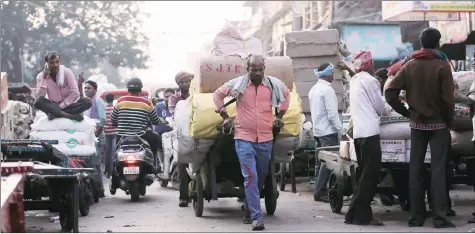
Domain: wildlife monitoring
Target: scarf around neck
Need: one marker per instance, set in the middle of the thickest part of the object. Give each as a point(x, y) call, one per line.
point(93, 114)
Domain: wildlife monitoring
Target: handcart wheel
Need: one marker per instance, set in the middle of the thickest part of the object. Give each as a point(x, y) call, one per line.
point(85, 197)
point(282, 175)
point(198, 199)
point(270, 196)
point(293, 180)
point(68, 211)
point(335, 192)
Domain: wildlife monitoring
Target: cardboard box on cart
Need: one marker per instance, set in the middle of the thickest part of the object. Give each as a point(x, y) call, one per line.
point(391, 150)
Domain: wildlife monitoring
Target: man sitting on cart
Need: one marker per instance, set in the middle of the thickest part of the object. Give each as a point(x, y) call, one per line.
point(133, 114)
point(58, 83)
point(257, 95)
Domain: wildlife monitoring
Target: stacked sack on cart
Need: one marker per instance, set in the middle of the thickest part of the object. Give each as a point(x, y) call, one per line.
point(196, 121)
point(395, 136)
point(74, 138)
point(462, 129)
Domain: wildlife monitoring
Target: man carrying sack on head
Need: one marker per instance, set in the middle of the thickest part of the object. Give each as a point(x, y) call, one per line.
point(256, 96)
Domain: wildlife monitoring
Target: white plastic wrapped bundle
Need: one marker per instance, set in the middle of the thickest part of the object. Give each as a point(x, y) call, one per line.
point(42, 123)
point(71, 136)
point(74, 138)
point(188, 149)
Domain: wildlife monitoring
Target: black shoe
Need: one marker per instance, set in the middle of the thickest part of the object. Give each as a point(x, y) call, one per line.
point(451, 213)
point(321, 199)
point(183, 203)
point(372, 222)
point(443, 223)
point(102, 194)
point(414, 222)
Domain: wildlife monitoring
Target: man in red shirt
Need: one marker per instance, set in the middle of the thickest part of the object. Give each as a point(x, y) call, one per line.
point(183, 79)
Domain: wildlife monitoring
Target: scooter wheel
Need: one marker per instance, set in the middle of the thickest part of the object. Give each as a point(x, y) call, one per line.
point(134, 192)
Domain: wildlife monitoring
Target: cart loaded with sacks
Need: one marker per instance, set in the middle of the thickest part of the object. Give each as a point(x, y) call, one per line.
point(57, 183)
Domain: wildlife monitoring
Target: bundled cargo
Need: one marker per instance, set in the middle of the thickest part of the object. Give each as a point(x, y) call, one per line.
point(462, 119)
point(196, 123)
point(215, 71)
point(188, 149)
point(204, 119)
point(75, 138)
point(312, 43)
point(391, 151)
point(462, 143)
point(394, 127)
point(309, 50)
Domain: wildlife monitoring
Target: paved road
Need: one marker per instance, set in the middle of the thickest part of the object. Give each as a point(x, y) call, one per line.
point(158, 212)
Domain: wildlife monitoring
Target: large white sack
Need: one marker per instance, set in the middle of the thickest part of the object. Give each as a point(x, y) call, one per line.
point(393, 117)
point(75, 150)
point(462, 143)
point(188, 149)
point(229, 42)
point(42, 123)
point(395, 131)
point(73, 137)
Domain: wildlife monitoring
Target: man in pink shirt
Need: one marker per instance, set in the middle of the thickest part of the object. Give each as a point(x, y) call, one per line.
point(257, 95)
point(59, 84)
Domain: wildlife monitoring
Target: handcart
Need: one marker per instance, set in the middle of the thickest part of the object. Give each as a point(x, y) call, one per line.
point(13, 180)
point(394, 178)
point(67, 189)
point(219, 176)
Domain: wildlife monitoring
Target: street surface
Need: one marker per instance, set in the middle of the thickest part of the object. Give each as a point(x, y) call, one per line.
point(158, 211)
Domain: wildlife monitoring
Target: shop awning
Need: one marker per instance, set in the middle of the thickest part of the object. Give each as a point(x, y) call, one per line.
point(425, 10)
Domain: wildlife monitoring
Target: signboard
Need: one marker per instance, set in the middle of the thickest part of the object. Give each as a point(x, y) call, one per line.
point(384, 41)
point(425, 10)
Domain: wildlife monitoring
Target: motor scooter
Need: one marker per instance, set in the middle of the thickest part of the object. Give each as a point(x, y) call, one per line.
point(168, 162)
point(134, 168)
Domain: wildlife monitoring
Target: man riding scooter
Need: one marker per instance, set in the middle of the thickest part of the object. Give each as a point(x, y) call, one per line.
point(133, 115)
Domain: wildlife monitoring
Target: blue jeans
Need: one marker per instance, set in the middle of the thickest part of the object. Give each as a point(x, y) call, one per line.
point(110, 152)
point(98, 160)
point(254, 159)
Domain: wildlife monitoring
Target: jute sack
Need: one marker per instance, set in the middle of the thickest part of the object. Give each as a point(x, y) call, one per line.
point(215, 71)
point(204, 119)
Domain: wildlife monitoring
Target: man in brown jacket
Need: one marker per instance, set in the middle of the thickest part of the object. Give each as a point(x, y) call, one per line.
point(428, 81)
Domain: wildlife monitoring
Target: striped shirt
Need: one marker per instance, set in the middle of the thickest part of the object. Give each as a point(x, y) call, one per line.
point(134, 114)
point(109, 129)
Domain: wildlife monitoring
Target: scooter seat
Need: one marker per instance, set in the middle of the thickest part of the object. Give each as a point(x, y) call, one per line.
point(134, 140)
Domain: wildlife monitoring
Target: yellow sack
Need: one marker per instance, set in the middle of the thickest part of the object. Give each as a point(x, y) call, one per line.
point(204, 119)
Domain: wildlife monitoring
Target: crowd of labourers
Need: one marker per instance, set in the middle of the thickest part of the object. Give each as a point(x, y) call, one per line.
point(431, 111)
point(426, 78)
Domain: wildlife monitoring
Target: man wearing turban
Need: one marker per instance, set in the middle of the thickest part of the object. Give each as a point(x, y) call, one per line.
point(183, 79)
point(367, 105)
